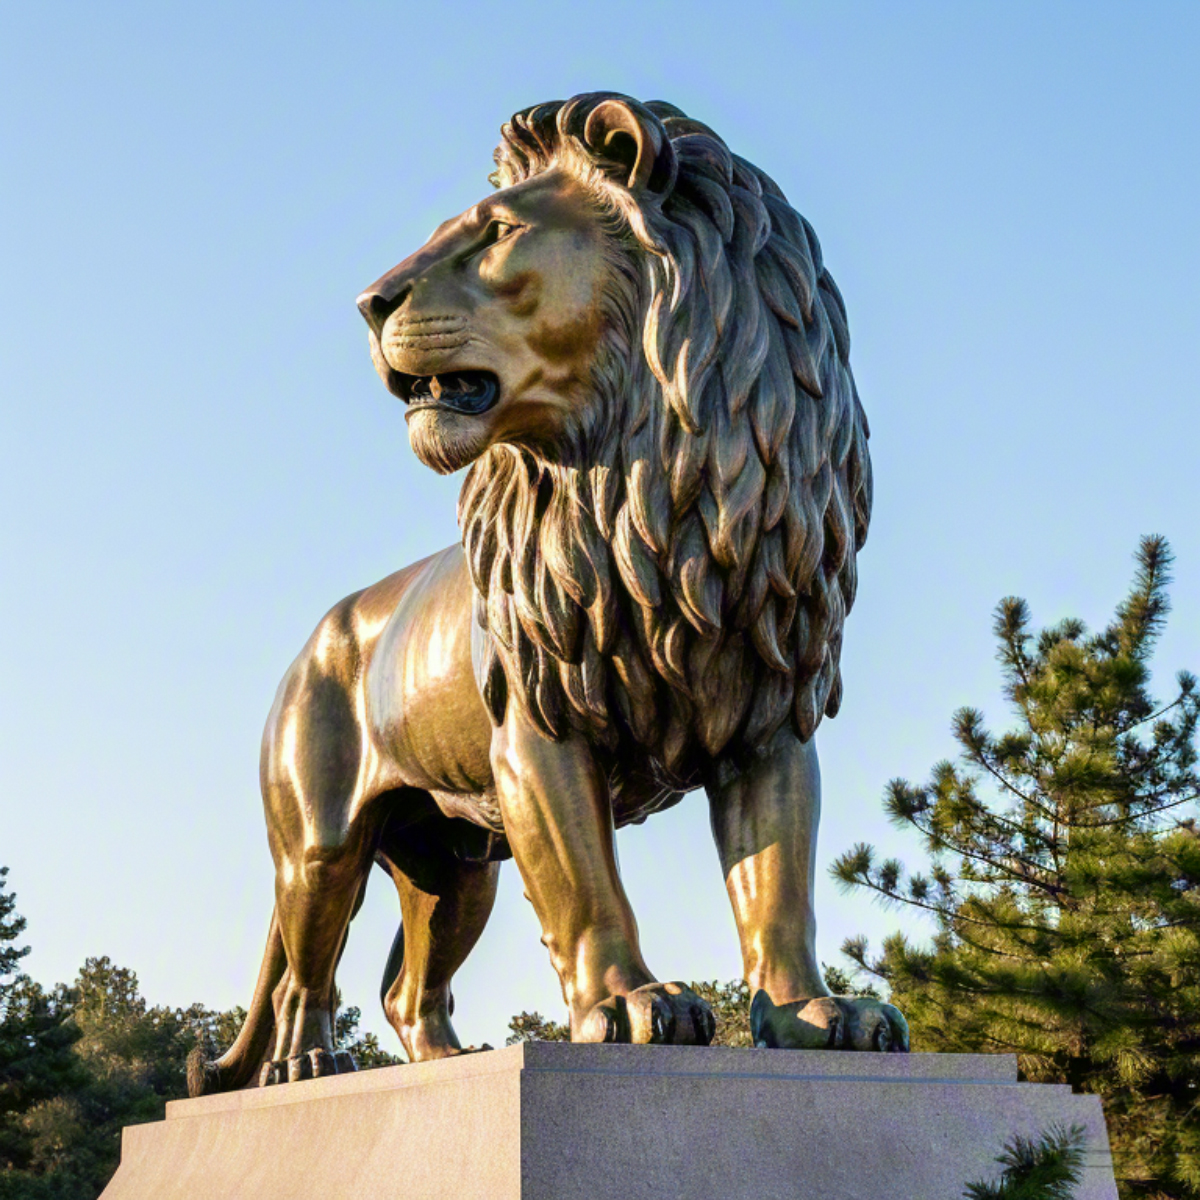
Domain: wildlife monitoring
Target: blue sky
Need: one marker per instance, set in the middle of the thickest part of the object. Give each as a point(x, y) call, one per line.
point(197, 460)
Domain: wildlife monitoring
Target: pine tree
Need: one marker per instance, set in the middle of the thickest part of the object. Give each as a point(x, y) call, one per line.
point(37, 1060)
point(730, 1004)
point(533, 1027)
point(1065, 882)
point(12, 925)
point(129, 1060)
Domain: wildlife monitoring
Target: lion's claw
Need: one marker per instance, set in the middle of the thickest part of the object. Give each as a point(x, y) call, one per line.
point(828, 1023)
point(313, 1064)
point(602, 1024)
point(669, 1013)
point(320, 1063)
point(656, 1013)
point(650, 1020)
point(880, 1028)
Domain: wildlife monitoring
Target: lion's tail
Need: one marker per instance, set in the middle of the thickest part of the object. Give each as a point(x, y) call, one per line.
point(235, 1068)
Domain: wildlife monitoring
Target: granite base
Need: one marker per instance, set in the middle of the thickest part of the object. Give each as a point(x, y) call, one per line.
point(549, 1121)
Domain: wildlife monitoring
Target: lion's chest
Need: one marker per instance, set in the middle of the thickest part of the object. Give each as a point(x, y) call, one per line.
point(424, 709)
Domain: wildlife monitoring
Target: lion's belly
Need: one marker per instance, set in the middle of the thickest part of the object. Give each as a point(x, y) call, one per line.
point(424, 708)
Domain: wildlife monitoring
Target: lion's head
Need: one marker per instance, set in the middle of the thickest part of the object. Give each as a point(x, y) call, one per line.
point(635, 345)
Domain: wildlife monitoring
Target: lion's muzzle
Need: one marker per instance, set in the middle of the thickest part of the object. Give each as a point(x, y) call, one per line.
point(401, 339)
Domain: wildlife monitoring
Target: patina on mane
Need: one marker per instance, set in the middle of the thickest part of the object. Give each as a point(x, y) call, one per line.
point(680, 571)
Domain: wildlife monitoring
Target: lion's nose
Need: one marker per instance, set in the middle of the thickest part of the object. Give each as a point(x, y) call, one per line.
point(378, 303)
point(375, 310)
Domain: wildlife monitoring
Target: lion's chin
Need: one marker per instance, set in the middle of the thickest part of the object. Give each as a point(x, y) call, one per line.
point(445, 441)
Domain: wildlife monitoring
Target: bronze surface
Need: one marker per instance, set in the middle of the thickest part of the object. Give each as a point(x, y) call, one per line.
point(635, 348)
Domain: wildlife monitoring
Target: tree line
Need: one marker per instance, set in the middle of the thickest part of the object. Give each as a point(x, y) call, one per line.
point(1060, 899)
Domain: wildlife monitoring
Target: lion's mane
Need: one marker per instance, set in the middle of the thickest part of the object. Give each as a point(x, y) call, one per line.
point(680, 574)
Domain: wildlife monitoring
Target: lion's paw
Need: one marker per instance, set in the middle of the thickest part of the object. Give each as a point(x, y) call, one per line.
point(828, 1023)
point(660, 1013)
point(315, 1064)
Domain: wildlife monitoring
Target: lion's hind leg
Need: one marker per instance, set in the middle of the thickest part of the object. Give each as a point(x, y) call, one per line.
point(446, 897)
point(323, 818)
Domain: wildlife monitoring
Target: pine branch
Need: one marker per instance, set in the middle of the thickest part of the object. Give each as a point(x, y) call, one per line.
point(1162, 712)
point(955, 912)
point(957, 849)
point(1047, 1169)
point(1050, 814)
point(1140, 815)
point(1069, 928)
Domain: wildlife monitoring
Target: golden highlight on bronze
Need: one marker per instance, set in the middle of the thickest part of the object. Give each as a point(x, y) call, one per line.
point(636, 351)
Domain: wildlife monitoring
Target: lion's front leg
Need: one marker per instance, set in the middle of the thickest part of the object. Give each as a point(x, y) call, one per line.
point(558, 817)
point(764, 819)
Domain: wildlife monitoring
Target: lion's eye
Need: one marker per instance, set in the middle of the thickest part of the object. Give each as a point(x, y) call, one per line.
point(494, 231)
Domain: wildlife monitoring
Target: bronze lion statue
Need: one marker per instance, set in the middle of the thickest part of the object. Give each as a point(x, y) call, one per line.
point(636, 351)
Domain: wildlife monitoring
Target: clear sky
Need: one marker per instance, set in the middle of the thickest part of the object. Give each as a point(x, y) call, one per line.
point(197, 460)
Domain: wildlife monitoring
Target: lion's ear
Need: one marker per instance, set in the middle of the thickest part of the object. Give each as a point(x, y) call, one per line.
point(631, 136)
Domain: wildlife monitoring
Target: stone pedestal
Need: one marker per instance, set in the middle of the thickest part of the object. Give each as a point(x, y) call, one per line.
point(561, 1122)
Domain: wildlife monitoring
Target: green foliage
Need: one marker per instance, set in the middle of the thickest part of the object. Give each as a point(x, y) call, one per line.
point(365, 1047)
point(730, 1003)
point(118, 1062)
point(533, 1027)
point(1047, 1169)
point(845, 983)
point(1065, 882)
point(37, 1061)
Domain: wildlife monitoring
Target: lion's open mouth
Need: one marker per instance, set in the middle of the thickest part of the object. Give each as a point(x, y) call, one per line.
point(470, 392)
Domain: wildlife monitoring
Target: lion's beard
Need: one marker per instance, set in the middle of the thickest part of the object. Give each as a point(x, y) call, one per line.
point(445, 441)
